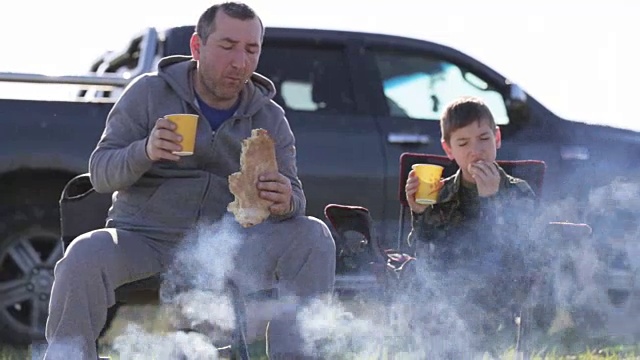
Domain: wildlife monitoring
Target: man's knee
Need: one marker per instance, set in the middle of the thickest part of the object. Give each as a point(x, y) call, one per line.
point(315, 233)
point(87, 251)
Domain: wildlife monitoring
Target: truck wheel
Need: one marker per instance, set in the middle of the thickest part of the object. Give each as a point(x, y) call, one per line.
point(30, 246)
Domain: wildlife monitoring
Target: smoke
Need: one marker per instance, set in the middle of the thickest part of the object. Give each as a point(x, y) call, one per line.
point(137, 344)
point(605, 294)
point(205, 259)
point(559, 279)
point(195, 297)
point(549, 281)
point(400, 329)
point(431, 317)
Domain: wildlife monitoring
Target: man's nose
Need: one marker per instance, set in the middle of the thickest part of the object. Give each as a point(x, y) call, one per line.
point(239, 59)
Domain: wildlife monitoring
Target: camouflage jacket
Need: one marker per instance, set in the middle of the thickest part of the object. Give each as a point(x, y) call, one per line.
point(463, 225)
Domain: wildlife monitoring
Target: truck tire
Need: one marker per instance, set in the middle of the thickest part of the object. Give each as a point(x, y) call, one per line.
point(30, 246)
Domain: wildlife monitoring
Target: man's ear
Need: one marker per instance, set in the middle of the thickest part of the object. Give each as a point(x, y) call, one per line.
point(498, 136)
point(447, 149)
point(194, 44)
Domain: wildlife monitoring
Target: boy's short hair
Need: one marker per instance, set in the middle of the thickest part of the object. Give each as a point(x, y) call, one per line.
point(462, 112)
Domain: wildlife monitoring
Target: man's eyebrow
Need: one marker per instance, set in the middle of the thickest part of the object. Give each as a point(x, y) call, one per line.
point(233, 41)
point(230, 40)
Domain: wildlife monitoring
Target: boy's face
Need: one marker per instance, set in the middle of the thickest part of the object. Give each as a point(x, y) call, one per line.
point(472, 143)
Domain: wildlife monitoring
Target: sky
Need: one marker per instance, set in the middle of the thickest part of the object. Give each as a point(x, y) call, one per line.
point(577, 58)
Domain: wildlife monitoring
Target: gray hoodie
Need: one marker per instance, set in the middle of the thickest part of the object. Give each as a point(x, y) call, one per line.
point(165, 199)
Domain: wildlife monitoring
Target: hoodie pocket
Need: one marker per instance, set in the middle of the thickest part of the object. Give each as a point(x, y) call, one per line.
point(175, 203)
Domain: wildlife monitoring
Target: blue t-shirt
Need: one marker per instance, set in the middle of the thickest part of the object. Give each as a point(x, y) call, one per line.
point(216, 116)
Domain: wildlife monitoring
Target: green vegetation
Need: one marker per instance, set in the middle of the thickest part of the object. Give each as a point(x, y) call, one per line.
point(611, 353)
point(563, 346)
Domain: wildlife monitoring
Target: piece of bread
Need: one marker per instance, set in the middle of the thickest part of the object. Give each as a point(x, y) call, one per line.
point(258, 156)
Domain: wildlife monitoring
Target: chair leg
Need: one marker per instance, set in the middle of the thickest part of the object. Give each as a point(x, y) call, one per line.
point(401, 228)
point(111, 314)
point(37, 349)
point(239, 345)
point(523, 322)
point(519, 332)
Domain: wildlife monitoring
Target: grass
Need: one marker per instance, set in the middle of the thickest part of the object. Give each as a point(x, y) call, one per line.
point(12, 353)
point(558, 349)
point(610, 353)
point(615, 353)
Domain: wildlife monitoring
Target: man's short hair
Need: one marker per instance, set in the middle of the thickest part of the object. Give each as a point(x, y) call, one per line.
point(236, 10)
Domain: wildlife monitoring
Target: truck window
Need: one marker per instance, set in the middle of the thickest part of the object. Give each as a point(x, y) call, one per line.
point(312, 79)
point(419, 87)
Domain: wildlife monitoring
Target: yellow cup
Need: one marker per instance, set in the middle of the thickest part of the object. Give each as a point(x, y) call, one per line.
point(186, 125)
point(429, 176)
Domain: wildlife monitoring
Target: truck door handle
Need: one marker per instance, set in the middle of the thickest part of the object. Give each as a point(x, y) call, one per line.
point(574, 152)
point(408, 138)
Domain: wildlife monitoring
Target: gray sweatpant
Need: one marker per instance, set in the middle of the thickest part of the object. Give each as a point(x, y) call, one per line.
point(296, 255)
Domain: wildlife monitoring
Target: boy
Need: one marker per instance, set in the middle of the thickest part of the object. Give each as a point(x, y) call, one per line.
point(476, 203)
point(470, 240)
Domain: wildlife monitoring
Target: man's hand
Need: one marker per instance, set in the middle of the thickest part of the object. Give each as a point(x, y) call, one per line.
point(411, 188)
point(163, 140)
point(276, 187)
point(486, 176)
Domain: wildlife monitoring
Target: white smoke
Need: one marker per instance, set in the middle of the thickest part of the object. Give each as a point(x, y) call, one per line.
point(575, 295)
point(442, 318)
point(137, 344)
point(195, 296)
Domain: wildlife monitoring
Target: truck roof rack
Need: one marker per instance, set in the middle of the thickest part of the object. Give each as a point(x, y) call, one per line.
point(142, 47)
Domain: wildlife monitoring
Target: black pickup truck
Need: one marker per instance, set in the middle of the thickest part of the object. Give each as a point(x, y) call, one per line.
point(355, 102)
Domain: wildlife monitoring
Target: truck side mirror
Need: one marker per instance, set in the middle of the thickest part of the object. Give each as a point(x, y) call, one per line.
point(516, 102)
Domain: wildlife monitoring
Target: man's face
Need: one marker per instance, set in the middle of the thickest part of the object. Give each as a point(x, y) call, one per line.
point(474, 142)
point(227, 58)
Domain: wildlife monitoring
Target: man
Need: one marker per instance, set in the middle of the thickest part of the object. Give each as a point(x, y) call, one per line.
point(160, 197)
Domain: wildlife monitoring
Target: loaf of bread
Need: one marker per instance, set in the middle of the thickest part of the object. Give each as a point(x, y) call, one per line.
point(257, 157)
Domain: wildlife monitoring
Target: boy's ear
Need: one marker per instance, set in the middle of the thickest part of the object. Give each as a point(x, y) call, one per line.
point(447, 149)
point(498, 137)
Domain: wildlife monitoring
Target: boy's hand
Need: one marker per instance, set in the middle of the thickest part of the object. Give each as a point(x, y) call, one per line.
point(486, 176)
point(411, 188)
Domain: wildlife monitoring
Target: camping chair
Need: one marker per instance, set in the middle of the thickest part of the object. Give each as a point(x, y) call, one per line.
point(532, 171)
point(82, 209)
point(359, 250)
